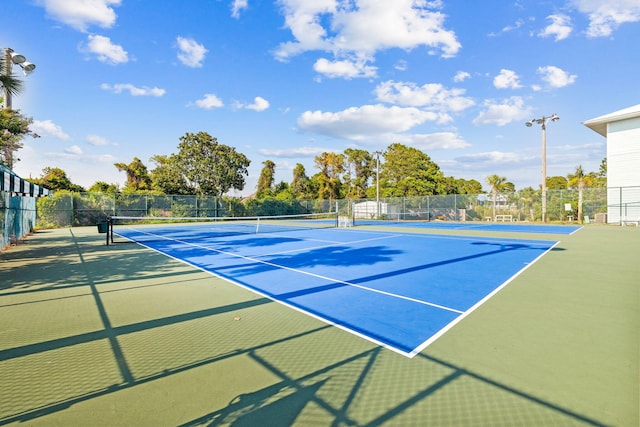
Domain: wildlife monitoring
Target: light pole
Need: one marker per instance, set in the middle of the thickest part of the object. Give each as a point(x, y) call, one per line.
point(11, 58)
point(542, 121)
point(377, 153)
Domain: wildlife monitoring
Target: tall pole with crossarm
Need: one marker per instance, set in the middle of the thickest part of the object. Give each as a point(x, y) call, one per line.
point(542, 121)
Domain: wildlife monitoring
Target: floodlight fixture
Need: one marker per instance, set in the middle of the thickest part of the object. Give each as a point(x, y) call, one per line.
point(14, 58)
point(27, 67)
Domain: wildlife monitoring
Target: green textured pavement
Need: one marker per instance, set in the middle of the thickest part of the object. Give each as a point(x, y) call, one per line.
point(97, 335)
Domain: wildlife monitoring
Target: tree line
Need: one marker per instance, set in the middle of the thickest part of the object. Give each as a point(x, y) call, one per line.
point(202, 166)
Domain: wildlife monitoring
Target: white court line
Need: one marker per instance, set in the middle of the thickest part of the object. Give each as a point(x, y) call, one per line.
point(284, 267)
point(427, 235)
point(458, 319)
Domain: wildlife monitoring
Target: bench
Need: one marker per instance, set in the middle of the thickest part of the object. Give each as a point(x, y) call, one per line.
point(503, 218)
point(626, 222)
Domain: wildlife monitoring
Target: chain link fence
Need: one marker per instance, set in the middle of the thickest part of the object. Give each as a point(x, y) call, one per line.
point(17, 218)
point(67, 209)
point(19, 215)
point(562, 206)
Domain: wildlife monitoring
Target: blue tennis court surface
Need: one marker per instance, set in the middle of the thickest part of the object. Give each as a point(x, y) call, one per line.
point(515, 227)
point(399, 290)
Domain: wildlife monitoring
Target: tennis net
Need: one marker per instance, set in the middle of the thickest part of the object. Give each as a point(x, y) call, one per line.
point(142, 229)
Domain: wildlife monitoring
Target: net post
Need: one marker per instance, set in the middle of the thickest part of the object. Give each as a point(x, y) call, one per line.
point(109, 230)
point(353, 213)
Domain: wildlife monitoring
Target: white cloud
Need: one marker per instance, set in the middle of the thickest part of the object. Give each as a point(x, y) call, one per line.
point(605, 17)
point(433, 141)
point(82, 160)
point(209, 101)
point(359, 123)
point(237, 6)
point(191, 53)
point(133, 90)
point(519, 23)
point(504, 112)
point(346, 68)
point(292, 153)
point(431, 95)
point(492, 158)
point(507, 79)
point(259, 104)
point(106, 51)
point(80, 14)
point(461, 76)
point(74, 150)
point(360, 28)
point(96, 140)
point(560, 27)
point(516, 25)
point(48, 128)
point(556, 77)
point(401, 65)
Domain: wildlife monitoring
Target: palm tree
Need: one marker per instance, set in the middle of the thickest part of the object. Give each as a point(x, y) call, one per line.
point(579, 179)
point(497, 184)
point(9, 83)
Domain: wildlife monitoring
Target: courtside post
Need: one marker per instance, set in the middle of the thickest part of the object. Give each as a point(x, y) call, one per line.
point(109, 230)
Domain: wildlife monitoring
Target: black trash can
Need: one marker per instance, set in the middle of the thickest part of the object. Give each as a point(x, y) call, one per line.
point(103, 227)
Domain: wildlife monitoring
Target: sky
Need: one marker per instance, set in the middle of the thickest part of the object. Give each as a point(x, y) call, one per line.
point(286, 80)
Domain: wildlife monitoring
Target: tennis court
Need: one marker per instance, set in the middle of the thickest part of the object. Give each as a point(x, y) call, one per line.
point(398, 290)
point(488, 226)
point(104, 335)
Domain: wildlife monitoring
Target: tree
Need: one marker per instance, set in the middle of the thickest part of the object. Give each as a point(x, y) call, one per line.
point(602, 172)
point(556, 183)
point(461, 186)
point(8, 82)
point(265, 180)
point(508, 187)
point(359, 169)
point(56, 179)
point(601, 176)
point(528, 196)
point(408, 171)
point(103, 187)
point(496, 182)
point(167, 176)
point(579, 180)
point(210, 168)
point(282, 191)
point(301, 184)
point(137, 175)
point(13, 127)
point(331, 166)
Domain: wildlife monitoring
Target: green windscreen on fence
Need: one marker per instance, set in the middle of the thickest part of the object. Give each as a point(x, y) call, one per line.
point(17, 217)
